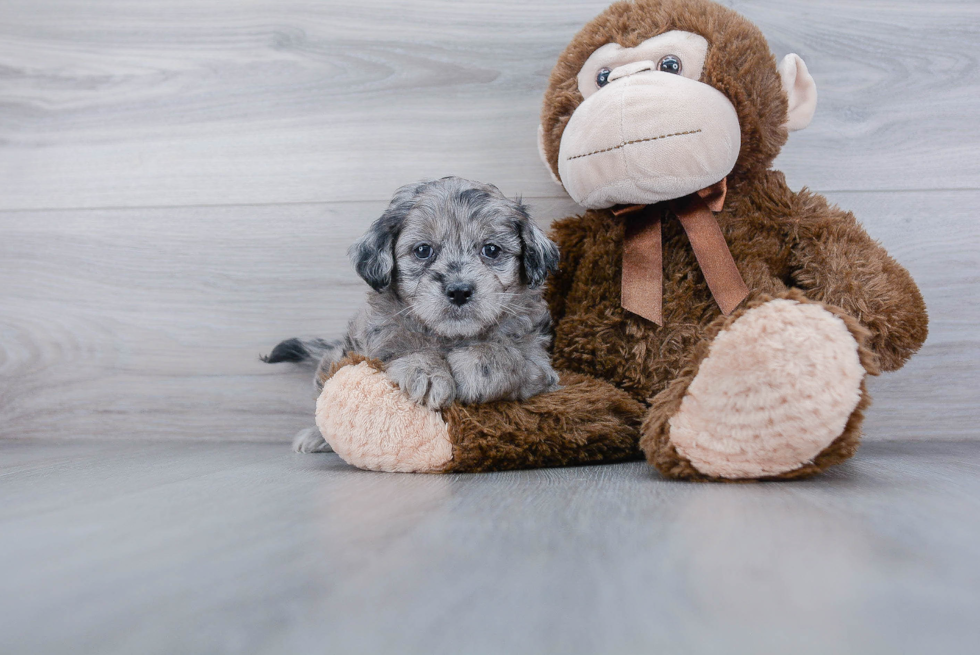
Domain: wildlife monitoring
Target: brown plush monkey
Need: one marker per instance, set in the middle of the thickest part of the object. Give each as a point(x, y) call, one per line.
point(706, 316)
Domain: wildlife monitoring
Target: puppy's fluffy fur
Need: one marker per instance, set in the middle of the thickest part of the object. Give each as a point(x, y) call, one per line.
point(457, 311)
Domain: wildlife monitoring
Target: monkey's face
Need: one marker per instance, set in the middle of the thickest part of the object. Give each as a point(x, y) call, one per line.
point(634, 120)
point(648, 129)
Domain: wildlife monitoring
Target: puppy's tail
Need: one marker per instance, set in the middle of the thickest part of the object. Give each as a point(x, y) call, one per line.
point(304, 351)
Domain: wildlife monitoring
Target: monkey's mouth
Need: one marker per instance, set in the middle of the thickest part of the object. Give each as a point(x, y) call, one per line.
point(628, 143)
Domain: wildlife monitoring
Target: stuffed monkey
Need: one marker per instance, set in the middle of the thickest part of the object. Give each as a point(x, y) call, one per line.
point(706, 317)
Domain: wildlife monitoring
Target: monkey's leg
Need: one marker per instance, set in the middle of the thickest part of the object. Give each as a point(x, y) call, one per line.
point(775, 391)
point(371, 424)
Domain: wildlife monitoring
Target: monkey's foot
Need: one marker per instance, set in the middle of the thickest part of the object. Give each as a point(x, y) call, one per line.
point(373, 425)
point(778, 393)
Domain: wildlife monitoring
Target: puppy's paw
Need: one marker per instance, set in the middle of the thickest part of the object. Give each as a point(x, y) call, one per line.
point(488, 372)
point(425, 379)
point(478, 378)
point(538, 380)
point(551, 380)
point(309, 440)
point(442, 390)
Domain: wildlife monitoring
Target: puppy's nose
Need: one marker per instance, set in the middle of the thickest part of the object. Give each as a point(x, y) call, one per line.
point(459, 293)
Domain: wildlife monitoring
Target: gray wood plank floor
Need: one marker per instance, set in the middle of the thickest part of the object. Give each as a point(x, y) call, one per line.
point(204, 548)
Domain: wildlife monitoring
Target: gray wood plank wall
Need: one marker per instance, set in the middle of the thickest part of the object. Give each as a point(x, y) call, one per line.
point(179, 182)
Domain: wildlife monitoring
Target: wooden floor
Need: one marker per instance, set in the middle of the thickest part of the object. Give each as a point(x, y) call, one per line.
point(179, 182)
point(206, 548)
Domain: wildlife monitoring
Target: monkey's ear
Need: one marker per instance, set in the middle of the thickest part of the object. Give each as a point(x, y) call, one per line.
point(539, 253)
point(373, 255)
point(544, 157)
point(800, 89)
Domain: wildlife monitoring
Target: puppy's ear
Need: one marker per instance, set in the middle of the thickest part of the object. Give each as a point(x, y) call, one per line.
point(540, 254)
point(373, 255)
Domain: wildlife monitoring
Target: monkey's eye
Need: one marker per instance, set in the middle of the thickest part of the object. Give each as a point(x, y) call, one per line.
point(670, 64)
point(491, 251)
point(422, 251)
point(602, 78)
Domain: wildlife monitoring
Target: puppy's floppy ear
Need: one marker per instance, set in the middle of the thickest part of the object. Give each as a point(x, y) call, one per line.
point(373, 255)
point(540, 254)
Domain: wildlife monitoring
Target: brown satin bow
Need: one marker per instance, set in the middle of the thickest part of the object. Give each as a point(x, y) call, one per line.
point(643, 253)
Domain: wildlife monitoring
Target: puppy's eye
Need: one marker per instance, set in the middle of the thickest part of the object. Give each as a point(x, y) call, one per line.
point(602, 78)
point(422, 251)
point(491, 251)
point(670, 64)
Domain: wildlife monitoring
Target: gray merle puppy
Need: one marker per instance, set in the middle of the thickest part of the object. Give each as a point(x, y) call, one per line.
point(457, 311)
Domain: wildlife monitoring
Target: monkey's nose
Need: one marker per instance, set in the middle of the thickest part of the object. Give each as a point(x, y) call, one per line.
point(631, 69)
point(459, 294)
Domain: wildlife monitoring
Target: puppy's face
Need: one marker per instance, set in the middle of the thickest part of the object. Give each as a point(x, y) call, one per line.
point(458, 260)
point(460, 254)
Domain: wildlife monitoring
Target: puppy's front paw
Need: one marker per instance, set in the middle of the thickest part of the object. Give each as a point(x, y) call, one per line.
point(442, 391)
point(309, 440)
point(551, 379)
point(477, 378)
point(424, 379)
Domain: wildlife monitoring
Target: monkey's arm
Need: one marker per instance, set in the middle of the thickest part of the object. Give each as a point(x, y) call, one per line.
point(836, 262)
point(372, 425)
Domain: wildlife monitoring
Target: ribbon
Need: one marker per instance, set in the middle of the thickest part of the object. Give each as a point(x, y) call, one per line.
point(642, 287)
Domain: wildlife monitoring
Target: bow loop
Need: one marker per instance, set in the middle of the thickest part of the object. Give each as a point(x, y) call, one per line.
point(642, 287)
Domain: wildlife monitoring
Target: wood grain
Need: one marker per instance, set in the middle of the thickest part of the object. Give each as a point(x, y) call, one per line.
point(148, 323)
point(132, 103)
point(247, 548)
point(205, 165)
point(937, 237)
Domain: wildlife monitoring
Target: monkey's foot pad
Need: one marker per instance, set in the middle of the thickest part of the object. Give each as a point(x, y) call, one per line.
point(373, 425)
point(777, 387)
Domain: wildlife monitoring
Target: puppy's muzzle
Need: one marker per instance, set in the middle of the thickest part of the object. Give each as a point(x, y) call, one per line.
point(459, 293)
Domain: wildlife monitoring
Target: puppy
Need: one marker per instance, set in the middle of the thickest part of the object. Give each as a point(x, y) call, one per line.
point(457, 311)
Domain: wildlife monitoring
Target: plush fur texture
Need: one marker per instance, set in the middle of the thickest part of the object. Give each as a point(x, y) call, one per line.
point(647, 136)
point(776, 388)
point(371, 424)
point(585, 421)
point(739, 64)
point(783, 242)
point(780, 240)
point(789, 246)
point(660, 450)
point(359, 403)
